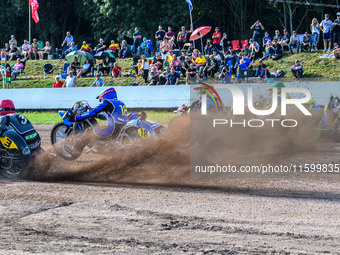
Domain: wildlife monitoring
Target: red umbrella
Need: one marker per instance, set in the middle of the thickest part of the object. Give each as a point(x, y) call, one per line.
point(199, 33)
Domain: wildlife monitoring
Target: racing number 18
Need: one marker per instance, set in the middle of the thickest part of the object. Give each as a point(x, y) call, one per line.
point(124, 110)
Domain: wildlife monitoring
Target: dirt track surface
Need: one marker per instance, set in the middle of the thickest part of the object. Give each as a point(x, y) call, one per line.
point(154, 215)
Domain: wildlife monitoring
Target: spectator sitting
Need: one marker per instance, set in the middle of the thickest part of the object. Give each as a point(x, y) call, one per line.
point(25, 49)
point(266, 38)
point(297, 70)
point(86, 68)
point(137, 39)
point(195, 54)
point(326, 26)
point(164, 76)
point(6, 50)
point(58, 83)
point(255, 51)
point(107, 65)
point(165, 48)
point(306, 42)
point(17, 68)
point(124, 50)
point(285, 39)
point(116, 70)
point(336, 51)
point(294, 42)
point(277, 36)
point(186, 65)
point(278, 50)
point(246, 50)
point(45, 51)
point(72, 47)
point(211, 68)
point(73, 66)
point(99, 47)
point(144, 47)
point(115, 47)
point(99, 82)
point(242, 66)
point(191, 73)
point(245, 59)
point(176, 63)
point(71, 80)
point(166, 62)
point(225, 76)
point(261, 69)
point(85, 47)
point(270, 50)
point(67, 41)
point(13, 41)
point(217, 56)
point(208, 47)
point(173, 77)
point(34, 49)
point(170, 35)
point(158, 61)
point(159, 36)
point(154, 76)
point(139, 67)
point(7, 68)
point(13, 53)
point(201, 63)
point(278, 74)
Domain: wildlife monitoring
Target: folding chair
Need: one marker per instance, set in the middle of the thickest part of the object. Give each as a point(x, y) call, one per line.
point(22, 71)
point(48, 69)
point(63, 72)
point(236, 45)
point(243, 43)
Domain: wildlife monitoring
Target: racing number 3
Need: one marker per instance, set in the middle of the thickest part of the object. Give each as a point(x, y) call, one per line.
point(124, 110)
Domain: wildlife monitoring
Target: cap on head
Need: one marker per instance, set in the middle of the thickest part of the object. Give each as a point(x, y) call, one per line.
point(296, 61)
point(266, 33)
point(217, 28)
point(338, 14)
point(294, 32)
point(144, 39)
point(136, 28)
point(306, 33)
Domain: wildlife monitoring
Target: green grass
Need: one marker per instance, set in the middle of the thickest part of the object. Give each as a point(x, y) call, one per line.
point(53, 117)
point(314, 69)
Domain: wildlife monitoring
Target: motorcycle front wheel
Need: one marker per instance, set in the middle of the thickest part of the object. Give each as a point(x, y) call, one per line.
point(11, 164)
point(63, 143)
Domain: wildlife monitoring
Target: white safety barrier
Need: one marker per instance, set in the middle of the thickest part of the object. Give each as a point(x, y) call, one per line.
point(151, 97)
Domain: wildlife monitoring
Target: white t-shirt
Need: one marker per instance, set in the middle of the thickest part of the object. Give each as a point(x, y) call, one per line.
point(70, 81)
point(327, 25)
point(315, 29)
point(86, 66)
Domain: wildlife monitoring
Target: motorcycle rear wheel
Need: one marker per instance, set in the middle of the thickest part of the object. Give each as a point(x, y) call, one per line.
point(10, 167)
point(62, 144)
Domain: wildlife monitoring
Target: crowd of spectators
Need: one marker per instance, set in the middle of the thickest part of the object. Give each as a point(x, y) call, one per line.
point(175, 56)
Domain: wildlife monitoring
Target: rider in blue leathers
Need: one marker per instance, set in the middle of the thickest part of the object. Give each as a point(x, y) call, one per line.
point(110, 105)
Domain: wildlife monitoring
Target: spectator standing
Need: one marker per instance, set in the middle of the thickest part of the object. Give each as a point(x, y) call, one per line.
point(191, 73)
point(294, 42)
point(67, 41)
point(45, 51)
point(99, 81)
point(71, 80)
point(306, 42)
point(208, 47)
point(297, 70)
point(173, 77)
point(13, 41)
point(58, 83)
point(315, 30)
point(266, 38)
point(337, 28)
point(99, 47)
point(225, 76)
point(285, 39)
point(241, 66)
point(225, 42)
point(170, 35)
point(326, 26)
point(182, 37)
point(217, 38)
point(255, 51)
point(159, 36)
point(137, 40)
point(154, 76)
point(116, 70)
point(17, 68)
point(85, 47)
point(257, 27)
point(25, 48)
point(34, 49)
point(124, 50)
point(146, 68)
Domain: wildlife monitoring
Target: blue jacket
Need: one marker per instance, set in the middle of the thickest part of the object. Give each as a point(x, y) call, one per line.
point(115, 107)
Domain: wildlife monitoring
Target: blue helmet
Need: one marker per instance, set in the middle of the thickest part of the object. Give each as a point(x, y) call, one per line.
point(109, 93)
